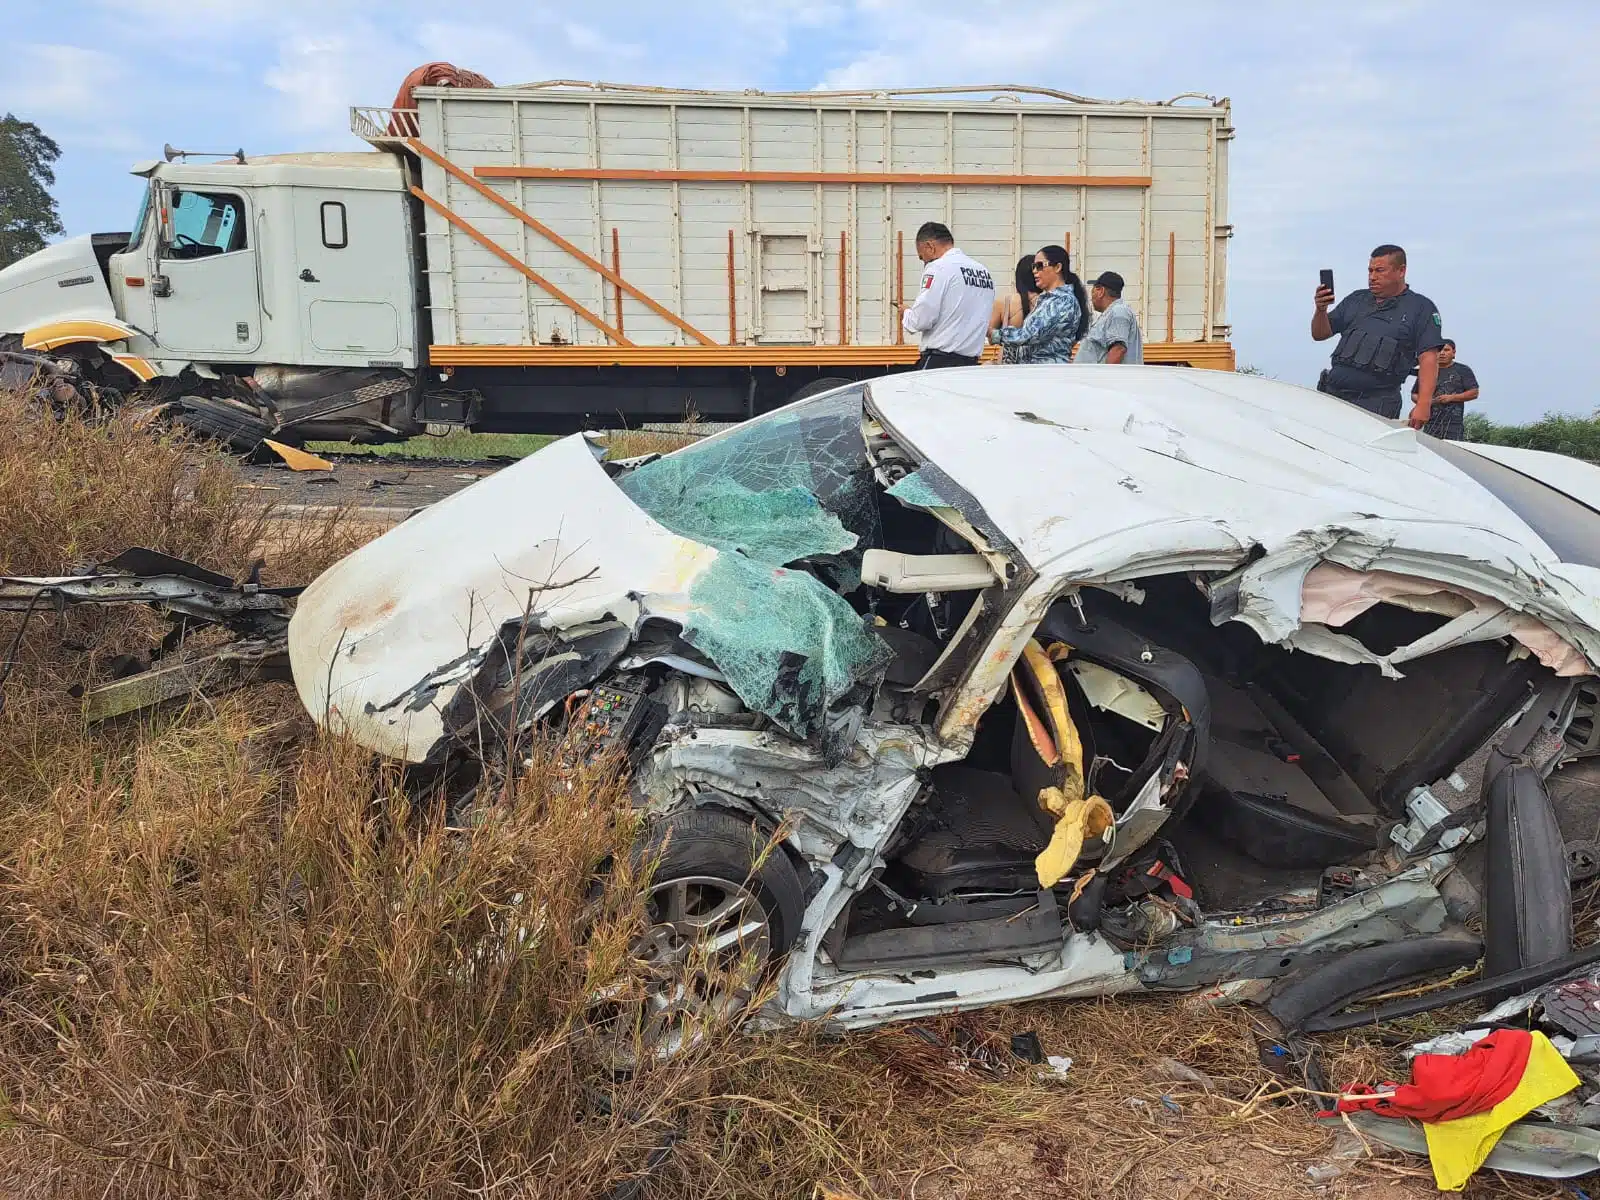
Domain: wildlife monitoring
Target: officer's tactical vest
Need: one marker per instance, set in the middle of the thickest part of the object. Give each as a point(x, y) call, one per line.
point(1373, 343)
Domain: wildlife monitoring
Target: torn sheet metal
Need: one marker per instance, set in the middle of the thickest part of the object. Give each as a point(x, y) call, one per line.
point(168, 584)
point(1546, 1150)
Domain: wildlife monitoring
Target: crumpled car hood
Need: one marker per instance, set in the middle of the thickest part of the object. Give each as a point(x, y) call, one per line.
point(382, 641)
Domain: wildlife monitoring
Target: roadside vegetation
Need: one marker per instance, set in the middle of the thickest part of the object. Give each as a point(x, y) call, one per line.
point(458, 446)
point(239, 958)
point(1578, 437)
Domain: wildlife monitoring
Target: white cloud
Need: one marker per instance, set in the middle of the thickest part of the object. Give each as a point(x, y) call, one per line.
point(72, 91)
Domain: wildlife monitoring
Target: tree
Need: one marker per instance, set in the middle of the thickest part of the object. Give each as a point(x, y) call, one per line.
point(28, 214)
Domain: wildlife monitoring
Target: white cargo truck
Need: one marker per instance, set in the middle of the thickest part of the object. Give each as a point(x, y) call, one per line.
point(549, 256)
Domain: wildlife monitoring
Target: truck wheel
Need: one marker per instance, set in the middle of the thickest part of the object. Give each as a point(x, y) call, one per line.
point(719, 919)
point(819, 386)
point(218, 421)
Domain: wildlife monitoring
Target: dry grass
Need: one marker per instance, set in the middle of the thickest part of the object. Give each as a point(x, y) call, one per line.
point(236, 961)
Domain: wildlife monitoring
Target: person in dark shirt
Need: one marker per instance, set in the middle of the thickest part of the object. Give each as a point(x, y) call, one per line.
point(1385, 332)
point(1457, 384)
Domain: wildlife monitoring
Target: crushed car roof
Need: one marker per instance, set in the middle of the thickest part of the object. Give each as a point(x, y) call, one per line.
point(1101, 473)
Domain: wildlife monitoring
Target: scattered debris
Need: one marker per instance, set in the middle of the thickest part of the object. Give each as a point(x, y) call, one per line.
point(1348, 1150)
point(1170, 1070)
point(297, 459)
point(190, 597)
point(1027, 1047)
point(1057, 1066)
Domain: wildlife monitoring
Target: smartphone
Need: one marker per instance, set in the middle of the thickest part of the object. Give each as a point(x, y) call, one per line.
point(1327, 278)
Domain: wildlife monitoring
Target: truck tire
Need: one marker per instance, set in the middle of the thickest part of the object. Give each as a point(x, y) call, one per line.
point(218, 421)
point(817, 387)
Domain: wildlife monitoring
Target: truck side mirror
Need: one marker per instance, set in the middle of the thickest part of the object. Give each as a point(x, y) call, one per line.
point(163, 199)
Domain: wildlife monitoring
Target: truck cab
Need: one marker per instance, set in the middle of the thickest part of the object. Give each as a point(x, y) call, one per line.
point(272, 279)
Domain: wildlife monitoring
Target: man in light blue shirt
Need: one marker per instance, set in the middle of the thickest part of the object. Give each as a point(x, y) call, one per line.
point(1115, 337)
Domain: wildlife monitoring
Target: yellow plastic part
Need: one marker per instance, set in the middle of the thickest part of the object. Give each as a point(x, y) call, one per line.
point(298, 460)
point(1055, 737)
point(64, 333)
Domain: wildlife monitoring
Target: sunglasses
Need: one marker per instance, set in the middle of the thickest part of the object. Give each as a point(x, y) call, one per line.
point(1039, 266)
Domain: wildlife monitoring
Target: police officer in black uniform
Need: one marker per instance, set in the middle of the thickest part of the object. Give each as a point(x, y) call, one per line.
point(1385, 333)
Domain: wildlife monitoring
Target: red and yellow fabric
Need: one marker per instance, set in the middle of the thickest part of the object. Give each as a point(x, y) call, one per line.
point(1466, 1101)
point(1457, 1148)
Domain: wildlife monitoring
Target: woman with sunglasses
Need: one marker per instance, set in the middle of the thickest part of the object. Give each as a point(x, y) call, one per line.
point(1058, 319)
point(1013, 310)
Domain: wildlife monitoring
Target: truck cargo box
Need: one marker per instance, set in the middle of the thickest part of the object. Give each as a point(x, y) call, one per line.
point(598, 225)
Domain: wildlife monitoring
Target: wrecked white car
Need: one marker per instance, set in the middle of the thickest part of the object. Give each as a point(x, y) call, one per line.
point(1053, 681)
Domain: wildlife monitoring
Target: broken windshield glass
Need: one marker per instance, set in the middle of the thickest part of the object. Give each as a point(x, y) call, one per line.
point(789, 647)
point(793, 484)
point(791, 487)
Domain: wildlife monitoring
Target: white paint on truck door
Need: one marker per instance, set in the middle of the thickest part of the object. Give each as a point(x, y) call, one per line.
point(352, 277)
point(207, 299)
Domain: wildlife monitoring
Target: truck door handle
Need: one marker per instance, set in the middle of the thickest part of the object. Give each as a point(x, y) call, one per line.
point(307, 277)
point(160, 286)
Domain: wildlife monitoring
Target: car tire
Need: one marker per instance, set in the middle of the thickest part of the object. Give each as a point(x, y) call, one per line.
point(717, 844)
point(722, 907)
point(231, 425)
point(817, 387)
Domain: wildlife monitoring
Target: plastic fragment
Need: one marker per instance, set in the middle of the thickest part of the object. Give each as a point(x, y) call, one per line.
point(1027, 1047)
point(1056, 1066)
point(1172, 1071)
point(1348, 1150)
point(297, 459)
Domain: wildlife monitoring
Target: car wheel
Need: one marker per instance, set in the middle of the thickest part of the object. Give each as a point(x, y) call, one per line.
point(722, 909)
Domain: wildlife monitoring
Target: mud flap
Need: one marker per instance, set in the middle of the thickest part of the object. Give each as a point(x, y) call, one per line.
point(1527, 915)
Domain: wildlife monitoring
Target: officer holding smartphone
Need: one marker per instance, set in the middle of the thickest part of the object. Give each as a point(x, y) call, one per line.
point(1385, 333)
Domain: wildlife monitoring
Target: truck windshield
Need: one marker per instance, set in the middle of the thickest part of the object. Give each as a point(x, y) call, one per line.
point(138, 221)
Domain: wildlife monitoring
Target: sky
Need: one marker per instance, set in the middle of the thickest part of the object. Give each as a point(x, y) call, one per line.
point(1467, 132)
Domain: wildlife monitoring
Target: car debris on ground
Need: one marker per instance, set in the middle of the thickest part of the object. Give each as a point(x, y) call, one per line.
point(1045, 682)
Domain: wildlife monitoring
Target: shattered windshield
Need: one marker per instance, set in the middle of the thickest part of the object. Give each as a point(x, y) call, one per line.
point(789, 488)
point(790, 485)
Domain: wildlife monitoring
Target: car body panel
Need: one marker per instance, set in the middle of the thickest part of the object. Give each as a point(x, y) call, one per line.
point(1570, 476)
point(382, 641)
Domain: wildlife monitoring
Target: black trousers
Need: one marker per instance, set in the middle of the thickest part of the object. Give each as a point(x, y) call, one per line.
point(1385, 402)
point(933, 359)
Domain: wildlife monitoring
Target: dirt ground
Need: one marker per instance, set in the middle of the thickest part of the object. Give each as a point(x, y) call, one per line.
point(382, 490)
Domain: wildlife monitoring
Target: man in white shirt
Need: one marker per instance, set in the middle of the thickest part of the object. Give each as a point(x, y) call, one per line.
point(952, 311)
